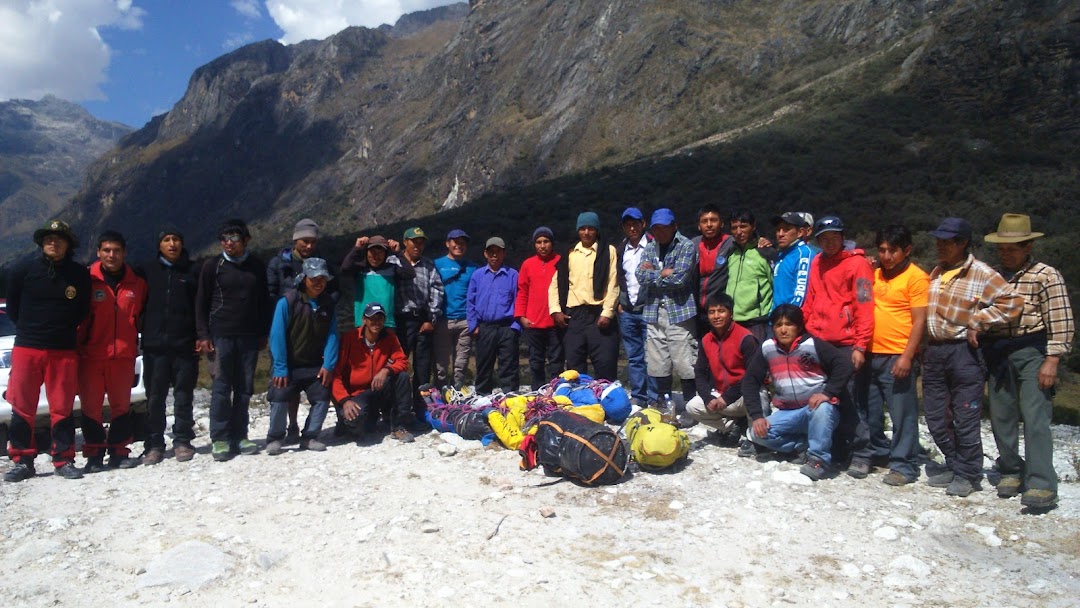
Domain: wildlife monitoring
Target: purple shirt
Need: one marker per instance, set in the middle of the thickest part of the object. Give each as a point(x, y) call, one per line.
point(491, 297)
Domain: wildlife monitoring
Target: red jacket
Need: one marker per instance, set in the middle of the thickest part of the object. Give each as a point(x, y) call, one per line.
point(721, 363)
point(357, 364)
point(839, 304)
point(111, 330)
point(534, 278)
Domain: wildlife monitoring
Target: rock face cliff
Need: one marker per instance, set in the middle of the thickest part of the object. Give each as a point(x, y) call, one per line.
point(45, 148)
point(371, 126)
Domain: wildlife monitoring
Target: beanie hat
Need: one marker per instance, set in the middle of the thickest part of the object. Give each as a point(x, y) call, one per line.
point(543, 231)
point(588, 218)
point(305, 229)
point(167, 230)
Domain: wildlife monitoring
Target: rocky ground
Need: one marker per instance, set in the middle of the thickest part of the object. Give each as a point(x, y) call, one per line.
point(445, 521)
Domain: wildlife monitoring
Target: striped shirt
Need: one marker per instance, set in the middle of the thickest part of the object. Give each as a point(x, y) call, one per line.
point(674, 292)
point(1046, 307)
point(977, 297)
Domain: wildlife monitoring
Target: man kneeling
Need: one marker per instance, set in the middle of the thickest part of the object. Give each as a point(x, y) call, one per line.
point(372, 369)
point(808, 376)
point(304, 349)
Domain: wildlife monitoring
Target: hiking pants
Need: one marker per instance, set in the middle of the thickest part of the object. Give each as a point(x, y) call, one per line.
point(547, 358)
point(98, 378)
point(875, 389)
point(496, 342)
point(953, 378)
point(162, 370)
point(233, 385)
point(58, 370)
point(302, 379)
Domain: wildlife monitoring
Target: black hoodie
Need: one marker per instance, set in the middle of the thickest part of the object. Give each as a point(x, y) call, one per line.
point(47, 300)
point(169, 315)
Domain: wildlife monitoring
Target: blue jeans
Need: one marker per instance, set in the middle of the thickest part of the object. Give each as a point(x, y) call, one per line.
point(634, 329)
point(793, 431)
point(876, 389)
point(235, 358)
point(304, 379)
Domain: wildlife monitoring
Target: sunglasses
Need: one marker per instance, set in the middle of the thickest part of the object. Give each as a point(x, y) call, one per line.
point(231, 238)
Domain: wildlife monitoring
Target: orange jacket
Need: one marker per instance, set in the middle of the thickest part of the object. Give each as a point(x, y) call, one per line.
point(111, 330)
point(357, 364)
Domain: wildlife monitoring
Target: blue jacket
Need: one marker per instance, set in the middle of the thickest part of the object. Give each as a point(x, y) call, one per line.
point(791, 274)
point(455, 278)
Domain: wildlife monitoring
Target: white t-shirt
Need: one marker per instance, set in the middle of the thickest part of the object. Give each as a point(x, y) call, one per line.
point(631, 261)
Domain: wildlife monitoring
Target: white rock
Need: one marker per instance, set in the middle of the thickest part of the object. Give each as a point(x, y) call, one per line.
point(887, 533)
point(446, 449)
point(909, 563)
point(33, 550)
point(190, 565)
point(754, 486)
point(427, 527)
point(675, 505)
point(793, 478)
point(850, 571)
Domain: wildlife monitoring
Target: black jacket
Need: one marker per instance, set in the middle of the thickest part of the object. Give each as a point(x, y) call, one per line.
point(282, 271)
point(169, 315)
point(47, 301)
point(232, 299)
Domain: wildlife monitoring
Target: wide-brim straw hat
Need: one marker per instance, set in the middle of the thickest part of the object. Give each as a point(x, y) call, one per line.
point(1013, 228)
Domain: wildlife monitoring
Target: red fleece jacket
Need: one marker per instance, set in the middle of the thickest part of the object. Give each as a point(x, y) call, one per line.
point(111, 330)
point(358, 364)
point(839, 304)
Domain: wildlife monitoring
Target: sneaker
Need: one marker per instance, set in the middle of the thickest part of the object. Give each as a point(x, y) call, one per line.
point(814, 469)
point(940, 480)
point(220, 451)
point(273, 448)
point(312, 444)
point(682, 420)
point(95, 464)
point(858, 469)
point(1039, 499)
point(20, 472)
point(69, 471)
point(796, 457)
point(184, 452)
point(960, 487)
point(247, 447)
point(403, 435)
point(292, 436)
point(747, 449)
point(123, 462)
point(1009, 486)
point(896, 478)
point(154, 456)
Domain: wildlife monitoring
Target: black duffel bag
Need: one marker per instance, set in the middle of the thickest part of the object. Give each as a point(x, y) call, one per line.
point(572, 445)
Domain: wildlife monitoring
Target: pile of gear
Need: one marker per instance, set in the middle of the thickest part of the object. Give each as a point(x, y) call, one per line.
point(566, 427)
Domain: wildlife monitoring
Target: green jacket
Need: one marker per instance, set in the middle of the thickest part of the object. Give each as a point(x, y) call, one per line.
point(749, 283)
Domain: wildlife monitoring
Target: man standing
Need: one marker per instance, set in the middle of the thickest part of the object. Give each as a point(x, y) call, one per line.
point(887, 378)
point(282, 273)
point(451, 331)
point(232, 321)
point(713, 248)
point(1023, 360)
point(582, 298)
point(48, 296)
point(749, 276)
point(372, 372)
point(792, 268)
point(168, 342)
point(108, 345)
point(666, 275)
point(966, 297)
point(632, 323)
point(421, 306)
point(546, 355)
point(490, 313)
point(380, 275)
point(304, 351)
point(839, 308)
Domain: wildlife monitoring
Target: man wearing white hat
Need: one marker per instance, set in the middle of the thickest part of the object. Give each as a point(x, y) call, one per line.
point(1022, 359)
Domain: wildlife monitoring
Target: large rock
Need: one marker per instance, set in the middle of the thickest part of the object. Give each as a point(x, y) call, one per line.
point(189, 565)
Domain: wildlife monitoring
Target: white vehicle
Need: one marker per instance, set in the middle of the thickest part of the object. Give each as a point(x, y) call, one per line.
point(7, 342)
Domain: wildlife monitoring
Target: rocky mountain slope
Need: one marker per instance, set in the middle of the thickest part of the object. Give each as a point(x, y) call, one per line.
point(45, 148)
point(366, 127)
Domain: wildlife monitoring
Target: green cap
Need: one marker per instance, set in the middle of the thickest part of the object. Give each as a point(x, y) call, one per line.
point(415, 233)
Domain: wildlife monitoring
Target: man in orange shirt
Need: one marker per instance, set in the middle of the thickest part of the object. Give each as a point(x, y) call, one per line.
point(372, 369)
point(887, 378)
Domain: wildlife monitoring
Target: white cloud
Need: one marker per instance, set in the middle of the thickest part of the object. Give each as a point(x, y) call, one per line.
point(53, 46)
point(247, 8)
point(317, 19)
point(235, 41)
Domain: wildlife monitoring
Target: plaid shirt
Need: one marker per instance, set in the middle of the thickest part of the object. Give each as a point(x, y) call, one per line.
point(1046, 307)
point(675, 291)
point(978, 298)
point(423, 296)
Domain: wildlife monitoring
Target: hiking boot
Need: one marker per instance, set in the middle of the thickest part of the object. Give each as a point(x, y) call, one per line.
point(896, 478)
point(682, 420)
point(312, 444)
point(814, 469)
point(1009, 486)
point(858, 469)
point(747, 449)
point(960, 487)
point(1039, 499)
point(184, 452)
point(403, 435)
point(69, 471)
point(796, 457)
point(20, 472)
point(122, 462)
point(247, 447)
point(940, 480)
point(292, 437)
point(220, 451)
point(273, 448)
point(154, 456)
point(95, 464)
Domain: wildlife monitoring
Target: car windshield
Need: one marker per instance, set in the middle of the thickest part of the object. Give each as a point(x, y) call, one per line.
point(7, 328)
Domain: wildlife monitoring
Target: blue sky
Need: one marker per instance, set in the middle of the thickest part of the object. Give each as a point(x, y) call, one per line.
point(127, 60)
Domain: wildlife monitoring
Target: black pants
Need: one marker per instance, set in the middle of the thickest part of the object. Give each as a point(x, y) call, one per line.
point(547, 358)
point(953, 379)
point(233, 385)
point(496, 342)
point(396, 394)
point(420, 346)
point(586, 342)
point(160, 371)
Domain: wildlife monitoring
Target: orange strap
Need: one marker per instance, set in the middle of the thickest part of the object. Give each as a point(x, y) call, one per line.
point(605, 457)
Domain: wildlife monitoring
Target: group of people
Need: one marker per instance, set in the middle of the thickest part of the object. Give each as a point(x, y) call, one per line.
point(794, 345)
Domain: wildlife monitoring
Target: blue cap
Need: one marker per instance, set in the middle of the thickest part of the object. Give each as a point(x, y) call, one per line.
point(457, 233)
point(588, 218)
point(662, 216)
point(633, 213)
point(951, 228)
point(372, 309)
point(829, 223)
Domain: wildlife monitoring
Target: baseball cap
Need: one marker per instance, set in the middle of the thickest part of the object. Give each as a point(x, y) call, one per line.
point(791, 217)
point(372, 309)
point(662, 216)
point(457, 233)
point(415, 232)
point(829, 223)
point(315, 267)
point(495, 242)
point(809, 219)
point(378, 241)
point(952, 227)
point(633, 213)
